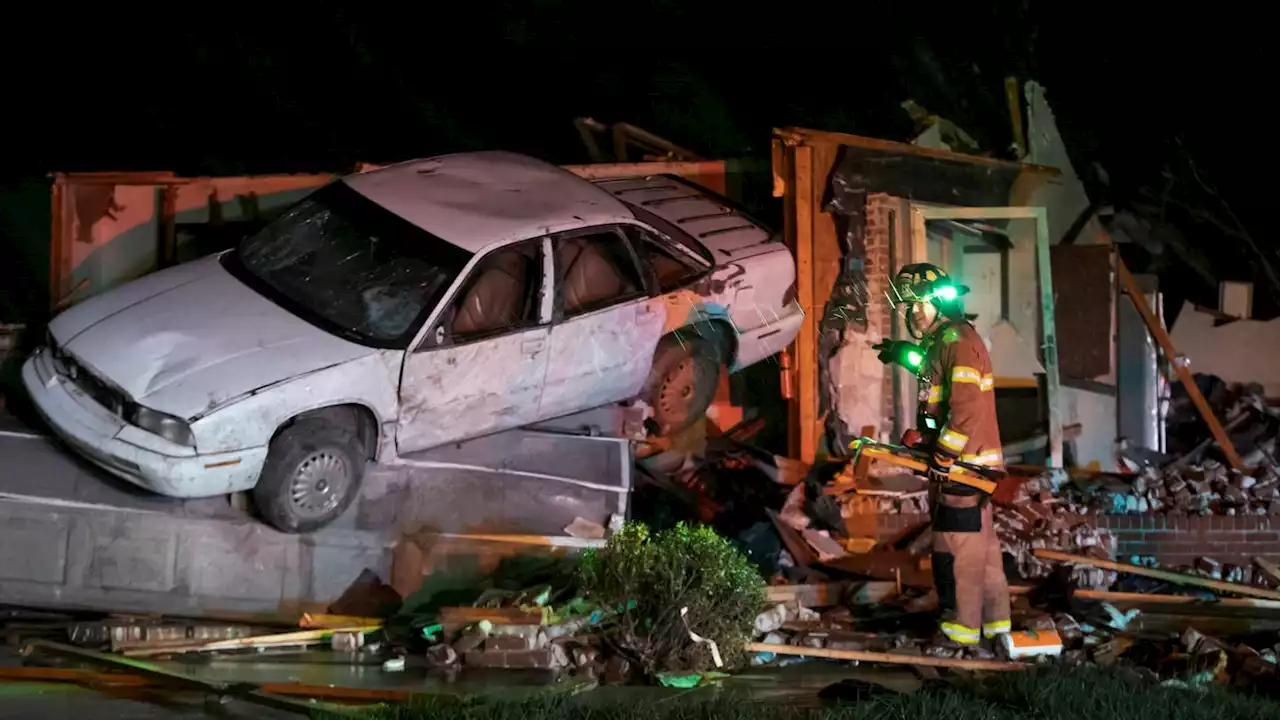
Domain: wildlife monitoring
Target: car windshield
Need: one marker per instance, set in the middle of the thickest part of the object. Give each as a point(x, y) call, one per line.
point(348, 265)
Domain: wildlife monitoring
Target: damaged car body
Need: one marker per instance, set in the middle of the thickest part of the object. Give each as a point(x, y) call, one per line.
point(393, 311)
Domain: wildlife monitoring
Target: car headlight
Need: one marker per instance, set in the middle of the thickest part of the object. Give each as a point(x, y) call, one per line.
point(173, 429)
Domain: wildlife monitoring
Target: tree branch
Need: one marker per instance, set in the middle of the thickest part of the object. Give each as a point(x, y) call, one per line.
point(1235, 228)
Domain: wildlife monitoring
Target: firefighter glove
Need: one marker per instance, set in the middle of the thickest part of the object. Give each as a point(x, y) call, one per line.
point(900, 352)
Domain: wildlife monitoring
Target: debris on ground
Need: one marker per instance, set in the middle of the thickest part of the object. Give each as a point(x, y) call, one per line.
point(801, 574)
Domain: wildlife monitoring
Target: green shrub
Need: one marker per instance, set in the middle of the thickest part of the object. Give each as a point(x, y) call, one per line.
point(651, 577)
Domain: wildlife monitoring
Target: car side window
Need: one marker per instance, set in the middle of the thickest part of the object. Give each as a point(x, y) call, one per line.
point(594, 271)
point(669, 272)
point(501, 295)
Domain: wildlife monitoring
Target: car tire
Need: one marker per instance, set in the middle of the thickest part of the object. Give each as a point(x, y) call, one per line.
point(683, 380)
point(313, 472)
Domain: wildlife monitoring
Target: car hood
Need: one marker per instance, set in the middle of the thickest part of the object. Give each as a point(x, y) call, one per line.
point(187, 339)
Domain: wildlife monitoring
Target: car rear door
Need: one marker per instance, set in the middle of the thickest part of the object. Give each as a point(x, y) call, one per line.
point(606, 325)
point(480, 368)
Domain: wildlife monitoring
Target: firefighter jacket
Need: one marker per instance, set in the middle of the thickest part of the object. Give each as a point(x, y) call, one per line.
point(958, 393)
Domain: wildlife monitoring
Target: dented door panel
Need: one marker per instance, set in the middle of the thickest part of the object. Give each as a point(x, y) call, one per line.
point(602, 357)
point(454, 393)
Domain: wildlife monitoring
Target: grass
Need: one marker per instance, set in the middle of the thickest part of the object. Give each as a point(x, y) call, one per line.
point(1084, 694)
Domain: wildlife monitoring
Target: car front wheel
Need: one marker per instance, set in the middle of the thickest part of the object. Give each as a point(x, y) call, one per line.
point(312, 474)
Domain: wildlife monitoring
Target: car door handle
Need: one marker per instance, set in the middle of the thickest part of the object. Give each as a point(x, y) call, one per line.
point(533, 346)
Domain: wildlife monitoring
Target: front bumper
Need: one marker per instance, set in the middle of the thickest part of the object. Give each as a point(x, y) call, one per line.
point(129, 452)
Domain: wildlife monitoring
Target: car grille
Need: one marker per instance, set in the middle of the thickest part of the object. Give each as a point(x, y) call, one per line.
point(105, 395)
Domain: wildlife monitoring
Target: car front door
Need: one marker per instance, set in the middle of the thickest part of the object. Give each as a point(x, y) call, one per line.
point(606, 326)
point(480, 368)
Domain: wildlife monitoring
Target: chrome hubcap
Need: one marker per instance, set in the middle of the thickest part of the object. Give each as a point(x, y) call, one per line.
point(319, 483)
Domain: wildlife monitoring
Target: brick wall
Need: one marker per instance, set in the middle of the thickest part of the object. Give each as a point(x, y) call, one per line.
point(1172, 540)
point(880, 315)
point(1177, 540)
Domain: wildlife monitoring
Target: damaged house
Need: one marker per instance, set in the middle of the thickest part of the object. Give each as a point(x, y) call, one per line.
point(1075, 369)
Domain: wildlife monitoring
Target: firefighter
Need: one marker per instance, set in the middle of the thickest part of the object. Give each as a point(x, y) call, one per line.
point(958, 421)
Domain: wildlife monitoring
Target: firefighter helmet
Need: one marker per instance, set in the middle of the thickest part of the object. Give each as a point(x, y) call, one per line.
point(923, 282)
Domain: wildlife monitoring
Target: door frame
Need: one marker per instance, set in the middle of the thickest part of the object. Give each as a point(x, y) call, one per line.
point(921, 214)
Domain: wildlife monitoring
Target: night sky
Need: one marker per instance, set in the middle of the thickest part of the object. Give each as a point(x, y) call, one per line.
point(215, 89)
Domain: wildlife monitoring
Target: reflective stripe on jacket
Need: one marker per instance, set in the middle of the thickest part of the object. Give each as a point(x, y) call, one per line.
point(959, 392)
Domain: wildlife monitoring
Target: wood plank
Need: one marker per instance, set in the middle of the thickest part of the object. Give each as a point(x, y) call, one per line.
point(93, 678)
point(1125, 598)
point(1268, 568)
point(1166, 575)
point(301, 637)
point(460, 616)
point(811, 596)
point(610, 171)
point(315, 621)
point(784, 168)
point(879, 657)
point(806, 356)
point(1049, 338)
point(804, 135)
point(1131, 288)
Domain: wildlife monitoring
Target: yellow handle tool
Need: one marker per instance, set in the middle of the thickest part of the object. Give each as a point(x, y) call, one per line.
point(918, 460)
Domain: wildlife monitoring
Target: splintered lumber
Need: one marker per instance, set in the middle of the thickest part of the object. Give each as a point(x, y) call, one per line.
point(1161, 337)
point(458, 617)
point(319, 621)
point(880, 657)
point(810, 596)
point(1157, 599)
point(92, 678)
point(249, 693)
point(1127, 599)
point(1173, 577)
point(1268, 568)
point(81, 677)
point(546, 540)
point(302, 637)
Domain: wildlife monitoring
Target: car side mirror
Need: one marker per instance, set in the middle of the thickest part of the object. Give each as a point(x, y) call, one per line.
point(440, 335)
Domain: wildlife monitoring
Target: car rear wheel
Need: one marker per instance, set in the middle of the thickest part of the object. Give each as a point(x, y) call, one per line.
point(683, 380)
point(312, 474)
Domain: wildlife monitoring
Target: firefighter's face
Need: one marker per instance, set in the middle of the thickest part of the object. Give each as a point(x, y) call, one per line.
point(922, 316)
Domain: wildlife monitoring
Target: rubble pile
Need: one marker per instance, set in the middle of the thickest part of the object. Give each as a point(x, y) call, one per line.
point(1208, 489)
point(1075, 631)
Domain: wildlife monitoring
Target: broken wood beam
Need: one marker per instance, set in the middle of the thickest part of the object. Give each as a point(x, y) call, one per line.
point(81, 677)
point(1166, 575)
point(248, 693)
point(810, 596)
point(94, 678)
point(1162, 339)
point(318, 621)
point(1268, 568)
point(301, 637)
point(558, 541)
point(1127, 598)
point(882, 657)
point(453, 619)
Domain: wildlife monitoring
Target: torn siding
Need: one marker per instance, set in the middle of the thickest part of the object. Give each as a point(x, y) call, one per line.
point(1063, 196)
point(1242, 351)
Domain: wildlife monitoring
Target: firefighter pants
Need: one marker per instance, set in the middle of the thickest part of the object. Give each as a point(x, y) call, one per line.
point(968, 570)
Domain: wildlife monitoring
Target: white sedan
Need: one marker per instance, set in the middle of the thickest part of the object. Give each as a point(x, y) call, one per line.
point(420, 304)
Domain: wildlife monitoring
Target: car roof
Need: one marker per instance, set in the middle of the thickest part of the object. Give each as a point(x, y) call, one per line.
point(475, 200)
